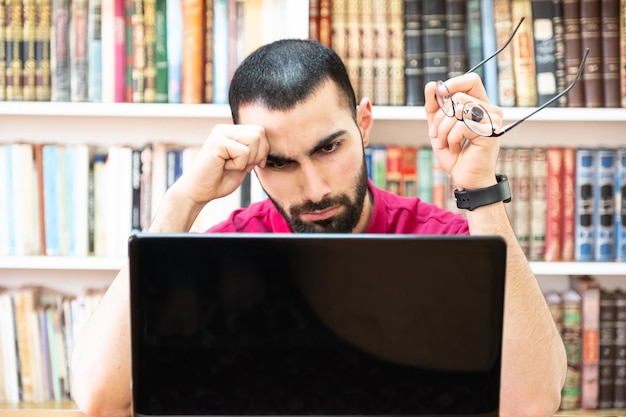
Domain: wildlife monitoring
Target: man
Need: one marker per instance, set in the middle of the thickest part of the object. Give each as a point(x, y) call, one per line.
point(298, 126)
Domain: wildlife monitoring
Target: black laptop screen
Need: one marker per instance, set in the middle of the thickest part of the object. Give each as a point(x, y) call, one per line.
point(323, 325)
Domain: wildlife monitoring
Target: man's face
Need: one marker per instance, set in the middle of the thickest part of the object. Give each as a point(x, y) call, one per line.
point(315, 173)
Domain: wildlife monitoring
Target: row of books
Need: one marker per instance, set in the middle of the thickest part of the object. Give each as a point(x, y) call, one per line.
point(567, 205)
point(38, 329)
point(133, 50)
point(592, 322)
point(80, 200)
point(392, 49)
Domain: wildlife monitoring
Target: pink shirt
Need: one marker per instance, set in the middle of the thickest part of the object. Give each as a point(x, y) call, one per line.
point(392, 215)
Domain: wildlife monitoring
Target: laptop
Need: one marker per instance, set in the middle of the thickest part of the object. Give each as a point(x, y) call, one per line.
point(316, 325)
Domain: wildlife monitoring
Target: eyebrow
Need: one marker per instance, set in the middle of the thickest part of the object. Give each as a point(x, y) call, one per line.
point(278, 159)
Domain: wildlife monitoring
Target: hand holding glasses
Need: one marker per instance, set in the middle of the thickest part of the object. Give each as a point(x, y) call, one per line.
point(474, 115)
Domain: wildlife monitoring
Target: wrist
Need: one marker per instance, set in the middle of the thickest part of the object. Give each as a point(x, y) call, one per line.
point(473, 198)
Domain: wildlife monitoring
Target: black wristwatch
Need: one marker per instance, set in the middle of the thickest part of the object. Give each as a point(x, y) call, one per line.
point(471, 199)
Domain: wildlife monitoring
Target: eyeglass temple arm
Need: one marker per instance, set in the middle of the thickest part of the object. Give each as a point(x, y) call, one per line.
point(553, 99)
point(475, 67)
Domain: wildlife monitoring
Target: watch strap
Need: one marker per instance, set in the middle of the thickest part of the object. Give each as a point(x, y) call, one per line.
point(472, 199)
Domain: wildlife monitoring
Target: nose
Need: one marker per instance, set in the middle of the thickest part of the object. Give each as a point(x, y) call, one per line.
point(313, 184)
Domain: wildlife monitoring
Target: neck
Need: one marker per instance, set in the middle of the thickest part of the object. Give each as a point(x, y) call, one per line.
point(366, 213)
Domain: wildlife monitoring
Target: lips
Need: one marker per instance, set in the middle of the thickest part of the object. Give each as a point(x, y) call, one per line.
point(316, 216)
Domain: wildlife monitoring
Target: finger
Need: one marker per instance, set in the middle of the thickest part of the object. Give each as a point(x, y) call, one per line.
point(469, 84)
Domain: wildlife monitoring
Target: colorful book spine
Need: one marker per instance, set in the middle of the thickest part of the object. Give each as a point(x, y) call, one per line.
point(604, 200)
point(149, 24)
point(209, 64)
point(381, 46)
point(379, 166)
point(585, 206)
point(94, 46)
point(60, 51)
point(51, 198)
point(524, 55)
point(42, 49)
point(138, 53)
point(160, 50)
point(559, 43)
point(394, 169)
point(174, 28)
point(572, 340)
point(474, 35)
point(325, 28)
point(366, 50)
point(522, 191)
point(425, 173)
point(14, 50)
point(554, 207)
point(220, 52)
point(396, 53)
point(538, 201)
point(79, 59)
point(620, 205)
point(545, 49)
point(409, 171)
point(569, 204)
point(28, 45)
point(3, 55)
point(490, 75)
point(503, 25)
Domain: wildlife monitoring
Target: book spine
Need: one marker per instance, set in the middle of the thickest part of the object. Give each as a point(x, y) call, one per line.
point(394, 169)
point(28, 54)
point(325, 22)
point(591, 37)
point(572, 340)
point(395, 32)
point(456, 28)
point(60, 52)
point(50, 187)
point(43, 16)
point(409, 171)
point(209, 67)
point(524, 55)
point(435, 44)
point(3, 55)
point(619, 400)
point(522, 222)
point(474, 35)
point(220, 51)
point(314, 20)
point(620, 205)
point(366, 50)
point(573, 50)
point(136, 173)
point(569, 204)
point(94, 46)
point(622, 55)
point(149, 23)
point(545, 49)
point(413, 50)
point(538, 201)
point(78, 51)
point(585, 206)
point(352, 58)
point(128, 50)
point(559, 43)
point(138, 51)
point(610, 35)
point(503, 28)
point(160, 31)
point(14, 51)
point(379, 166)
point(604, 198)
point(606, 360)
point(425, 173)
point(174, 50)
point(554, 208)
point(490, 72)
point(381, 48)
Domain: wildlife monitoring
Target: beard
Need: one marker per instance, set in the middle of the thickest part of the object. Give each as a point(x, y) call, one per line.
point(342, 223)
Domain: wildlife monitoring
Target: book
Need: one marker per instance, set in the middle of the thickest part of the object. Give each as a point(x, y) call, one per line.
point(585, 204)
point(413, 51)
point(160, 51)
point(425, 173)
point(538, 201)
point(589, 290)
point(174, 29)
point(43, 10)
point(314, 20)
point(220, 51)
point(456, 29)
point(522, 191)
point(524, 55)
point(325, 25)
point(60, 51)
point(544, 43)
point(569, 204)
point(352, 55)
point(138, 51)
point(555, 304)
point(3, 56)
point(128, 50)
point(409, 171)
point(610, 35)
point(490, 68)
point(606, 360)
point(622, 55)
point(14, 52)
point(474, 35)
point(149, 32)
point(503, 25)
point(554, 206)
point(396, 52)
point(619, 400)
point(434, 40)
point(79, 45)
point(366, 50)
point(620, 205)
point(573, 50)
point(394, 169)
point(381, 46)
point(94, 51)
point(604, 200)
point(559, 43)
point(572, 340)
point(377, 164)
point(591, 38)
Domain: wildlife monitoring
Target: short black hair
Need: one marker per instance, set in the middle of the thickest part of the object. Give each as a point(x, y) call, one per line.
point(284, 73)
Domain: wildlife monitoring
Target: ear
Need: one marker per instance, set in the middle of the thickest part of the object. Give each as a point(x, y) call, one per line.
point(364, 119)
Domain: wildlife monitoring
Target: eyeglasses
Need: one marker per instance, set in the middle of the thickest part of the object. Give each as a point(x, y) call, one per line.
point(475, 116)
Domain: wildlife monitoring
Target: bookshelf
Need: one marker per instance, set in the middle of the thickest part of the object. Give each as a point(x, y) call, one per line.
point(129, 123)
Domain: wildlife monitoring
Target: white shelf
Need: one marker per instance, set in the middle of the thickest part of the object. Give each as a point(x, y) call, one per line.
point(113, 264)
point(221, 111)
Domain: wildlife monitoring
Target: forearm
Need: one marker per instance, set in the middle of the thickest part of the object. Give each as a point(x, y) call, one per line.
point(533, 359)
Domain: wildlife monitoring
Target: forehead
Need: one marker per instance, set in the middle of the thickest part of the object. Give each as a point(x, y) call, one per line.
point(296, 129)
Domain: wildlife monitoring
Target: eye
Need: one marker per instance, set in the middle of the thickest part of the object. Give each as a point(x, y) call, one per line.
point(276, 165)
point(330, 148)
